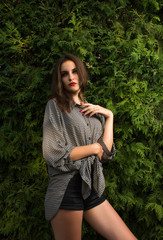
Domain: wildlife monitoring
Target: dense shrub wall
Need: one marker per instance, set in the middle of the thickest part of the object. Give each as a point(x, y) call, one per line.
point(120, 42)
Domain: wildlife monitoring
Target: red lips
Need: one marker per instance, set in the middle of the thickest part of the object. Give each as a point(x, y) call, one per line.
point(72, 84)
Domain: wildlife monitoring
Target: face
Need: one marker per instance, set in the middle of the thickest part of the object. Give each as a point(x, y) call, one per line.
point(70, 77)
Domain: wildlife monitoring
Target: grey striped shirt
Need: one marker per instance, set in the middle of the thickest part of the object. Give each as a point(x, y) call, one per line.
point(62, 132)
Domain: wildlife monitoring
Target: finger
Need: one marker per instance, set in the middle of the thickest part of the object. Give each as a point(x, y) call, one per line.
point(91, 111)
point(94, 112)
point(87, 112)
point(91, 108)
point(86, 104)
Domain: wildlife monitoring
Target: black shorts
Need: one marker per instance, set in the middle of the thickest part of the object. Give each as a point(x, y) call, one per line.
point(73, 199)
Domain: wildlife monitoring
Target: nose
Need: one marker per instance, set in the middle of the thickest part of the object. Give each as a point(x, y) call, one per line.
point(71, 76)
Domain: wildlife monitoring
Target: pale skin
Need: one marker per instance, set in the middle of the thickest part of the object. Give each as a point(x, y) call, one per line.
point(67, 224)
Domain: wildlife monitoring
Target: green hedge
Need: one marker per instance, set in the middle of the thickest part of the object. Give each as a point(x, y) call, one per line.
point(120, 42)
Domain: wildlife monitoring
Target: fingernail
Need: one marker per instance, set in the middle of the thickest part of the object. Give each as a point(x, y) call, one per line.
point(83, 114)
point(89, 115)
point(80, 111)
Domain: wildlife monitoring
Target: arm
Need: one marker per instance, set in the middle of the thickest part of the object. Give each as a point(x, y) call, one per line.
point(108, 132)
point(90, 110)
point(85, 151)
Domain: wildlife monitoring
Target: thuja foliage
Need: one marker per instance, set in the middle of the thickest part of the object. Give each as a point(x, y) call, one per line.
point(121, 45)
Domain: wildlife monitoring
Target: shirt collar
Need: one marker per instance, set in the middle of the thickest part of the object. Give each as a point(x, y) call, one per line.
point(76, 104)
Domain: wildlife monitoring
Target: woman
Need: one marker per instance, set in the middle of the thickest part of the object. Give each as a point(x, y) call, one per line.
point(77, 138)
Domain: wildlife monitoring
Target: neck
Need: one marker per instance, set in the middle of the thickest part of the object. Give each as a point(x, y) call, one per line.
point(76, 98)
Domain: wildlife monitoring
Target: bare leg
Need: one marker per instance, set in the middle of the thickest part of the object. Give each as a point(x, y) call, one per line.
point(105, 220)
point(67, 225)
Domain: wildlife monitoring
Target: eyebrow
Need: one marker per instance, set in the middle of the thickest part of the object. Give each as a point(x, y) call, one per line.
point(67, 71)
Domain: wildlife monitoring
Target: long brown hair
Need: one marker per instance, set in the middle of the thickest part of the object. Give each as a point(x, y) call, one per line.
point(62, 97)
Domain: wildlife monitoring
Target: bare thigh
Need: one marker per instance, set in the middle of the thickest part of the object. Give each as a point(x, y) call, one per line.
point(67, 225)
point(105, 220)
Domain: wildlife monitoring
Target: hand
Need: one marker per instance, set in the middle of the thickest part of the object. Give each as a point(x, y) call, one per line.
point(98, 150)
point(90, 110)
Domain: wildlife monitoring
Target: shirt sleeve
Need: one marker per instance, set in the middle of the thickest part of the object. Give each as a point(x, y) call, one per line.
point(107, 155)
point(56, 150)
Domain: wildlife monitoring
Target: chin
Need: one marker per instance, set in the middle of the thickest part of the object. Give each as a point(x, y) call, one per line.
point(73, 90)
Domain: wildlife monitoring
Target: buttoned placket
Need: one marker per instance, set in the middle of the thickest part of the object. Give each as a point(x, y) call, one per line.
point(88, 130)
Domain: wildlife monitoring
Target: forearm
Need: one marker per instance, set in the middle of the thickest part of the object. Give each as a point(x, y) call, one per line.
point(108, 133)
point(84, 151)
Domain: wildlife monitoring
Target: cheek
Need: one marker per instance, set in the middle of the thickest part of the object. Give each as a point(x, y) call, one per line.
point(64, 80)
point(65, 83)
point(77, 77)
